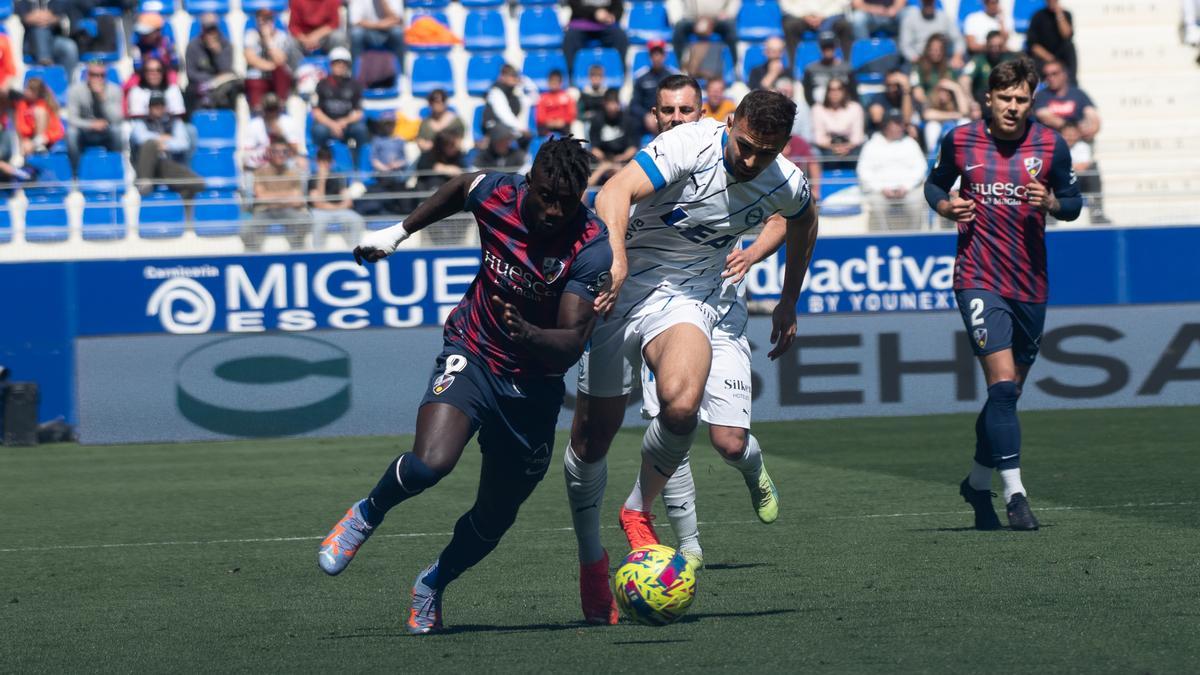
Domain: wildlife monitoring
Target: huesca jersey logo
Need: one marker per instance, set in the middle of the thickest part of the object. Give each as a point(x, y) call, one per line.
point(552, 269)
point(454, 364)
point(981, 337)
point(1033, 166)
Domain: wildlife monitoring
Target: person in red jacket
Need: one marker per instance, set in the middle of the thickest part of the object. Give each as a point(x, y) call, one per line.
point(315, 25)
point(555, 108)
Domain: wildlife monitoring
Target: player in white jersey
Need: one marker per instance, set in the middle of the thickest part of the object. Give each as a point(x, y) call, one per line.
point(697, 189)
point(726, 404)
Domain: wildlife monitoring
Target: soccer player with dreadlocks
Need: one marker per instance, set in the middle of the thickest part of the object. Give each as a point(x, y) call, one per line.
point(522, 323)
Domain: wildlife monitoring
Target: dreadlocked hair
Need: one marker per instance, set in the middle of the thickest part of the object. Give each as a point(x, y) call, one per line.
point(564, 161)
point(767, 113)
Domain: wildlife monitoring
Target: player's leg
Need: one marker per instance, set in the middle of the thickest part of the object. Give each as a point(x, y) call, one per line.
point(741, 450)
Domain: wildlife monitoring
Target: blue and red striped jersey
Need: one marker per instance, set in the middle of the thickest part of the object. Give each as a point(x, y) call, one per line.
point(1004, 249)
point(531, 271)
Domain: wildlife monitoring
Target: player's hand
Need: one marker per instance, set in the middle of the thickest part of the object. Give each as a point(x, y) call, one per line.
point(783, 327)
point(1037, 195)
point(518, 328)
point(737, 264)
point(607, 299)
point(958, 209)
point(375, 246)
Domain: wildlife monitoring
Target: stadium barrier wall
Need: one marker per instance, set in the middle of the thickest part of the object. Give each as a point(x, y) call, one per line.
point(50, 305)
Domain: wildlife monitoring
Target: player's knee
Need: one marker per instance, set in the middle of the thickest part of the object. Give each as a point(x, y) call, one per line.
point(416, 475)
point(679, 419)
point(729, 442)
point(1004, 394)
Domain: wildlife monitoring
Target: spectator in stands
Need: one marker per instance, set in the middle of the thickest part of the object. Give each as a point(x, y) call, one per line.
point(975, 75)
point(1060, 104)
point(594, 21)
point(868, 17)
point(93, 114)
point(45, 40)
point(555, 110)
point(37, 121)
point(919, 24)
point(980, 24)
point(891, 170)
point(801, 153)
point(949, 106)
point(700, 19)
point(160, 146)
point(376, 24)
point(149, 40)
point(274, 122)
point(716, 104)
point(389, 160)
point(813, 17)
point(209, 61)
point(802, 125)
point(8, 172)
point(270, 58)
point(440, 119)
point(338, 114)
point(8, 65)
point(614, 137)
point(441, 163)
point(645, 85)
point(315, 25)
point(818, 74)
point(1050, 37)
point(152, 78)
point(932, 67)
point(764, 75)
point(330, 204)
point(896, 100)
point(508, 105)
point(838, 126)
point(1088, 172)
point(278, 200)
point(591, 97)
point(501, 153)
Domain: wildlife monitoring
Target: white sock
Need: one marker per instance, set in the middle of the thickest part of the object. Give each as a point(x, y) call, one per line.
point(662, 453)
point(751, 462)
point(585, 492)
point(981, 477)
point(1011, 478)
point(679, 495)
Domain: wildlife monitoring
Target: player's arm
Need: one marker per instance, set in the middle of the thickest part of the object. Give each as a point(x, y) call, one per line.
point(740, 260)
point(1063, 200)
point(449, 199)
point(801, 238)
point(631, 185)
point(941, 179)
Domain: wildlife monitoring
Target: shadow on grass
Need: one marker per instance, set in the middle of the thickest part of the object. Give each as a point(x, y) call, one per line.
point(733, 566)
point(701, 616)
point(970, 529)
point(647, 642)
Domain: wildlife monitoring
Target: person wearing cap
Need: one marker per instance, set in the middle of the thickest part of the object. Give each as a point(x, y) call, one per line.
point(316, 25)
point(819, 73)
point(775, 66)
point(330, 204)
point(508, 103)
point(376, 24)
point(45, 40)
point(338, 113)
point(160, 146)
point(645, 85)
point(701, 19)
point(150, 41)
point(501, 153)
point(93, 113)
point(270, 57)
point(891, 170)
point(555, 109)
point(209, 62)
point(811, 17)
point(918, 24)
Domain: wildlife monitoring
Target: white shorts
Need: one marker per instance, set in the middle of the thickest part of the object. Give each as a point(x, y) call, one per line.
point(728, 391)
point(614, 352)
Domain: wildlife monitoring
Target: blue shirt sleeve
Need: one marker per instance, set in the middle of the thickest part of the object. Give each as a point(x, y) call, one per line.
point(944, 173)
point(589, 273)
point(1064, 183)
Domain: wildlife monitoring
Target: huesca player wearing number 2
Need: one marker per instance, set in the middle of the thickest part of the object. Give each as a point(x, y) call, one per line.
point(1013, 173)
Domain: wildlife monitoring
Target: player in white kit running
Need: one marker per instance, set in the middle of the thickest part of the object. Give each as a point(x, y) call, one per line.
point(697, 189)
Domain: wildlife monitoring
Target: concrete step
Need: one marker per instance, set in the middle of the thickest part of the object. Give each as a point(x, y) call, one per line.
point(1093, 14)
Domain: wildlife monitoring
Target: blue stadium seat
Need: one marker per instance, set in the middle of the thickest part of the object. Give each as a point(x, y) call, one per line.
point(277, 6)
point(366, 173)
point(641, 59)
point(834, 181)
point(217, 213)
point(55, 78)
point(966, 8)
point(538, 28)
point(5, 224)
point(872, 58)
point(809, 52)
point(161, 215)
point(436, 15)
point(481, 3)
point(429, 72)
point(217, 166)
point(538, 65)
point(917, 3)
point(198, 7)
point(46, 218)
point(477, 122)
point(103, 218)
point(482, 71)
point(758, 20)
point(382, 93)
point(533, 3)
point(754, 56)
point(6, 10)
point(726, 60)
point(101, 173)
point(89, 24)
point(614, 70)
point(164, 7)
point(427, 4)
point(647, 21)
point(484, 31)
point(54, 174)
point(1023, 11)
point(215, 128)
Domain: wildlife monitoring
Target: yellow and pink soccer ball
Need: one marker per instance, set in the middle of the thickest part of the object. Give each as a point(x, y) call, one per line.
point(654, 585)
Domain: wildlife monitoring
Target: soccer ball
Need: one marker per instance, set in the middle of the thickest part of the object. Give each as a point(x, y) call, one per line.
point(654, 586)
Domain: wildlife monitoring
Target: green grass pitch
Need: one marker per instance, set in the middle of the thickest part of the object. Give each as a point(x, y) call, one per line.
point(201, 557)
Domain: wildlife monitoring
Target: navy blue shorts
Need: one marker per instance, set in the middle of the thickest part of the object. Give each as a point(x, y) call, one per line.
point(995, 323)
point(515, 417)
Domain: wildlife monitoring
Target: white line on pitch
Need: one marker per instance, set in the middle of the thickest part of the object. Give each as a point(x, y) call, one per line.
point(267, 540)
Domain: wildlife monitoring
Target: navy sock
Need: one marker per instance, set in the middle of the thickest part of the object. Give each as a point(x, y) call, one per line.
point(407, 476)
point(467, 547)
point(983, 451)
point(1001, 428)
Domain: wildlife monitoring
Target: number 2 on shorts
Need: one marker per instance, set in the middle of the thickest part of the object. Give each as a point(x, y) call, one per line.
point(976, 311)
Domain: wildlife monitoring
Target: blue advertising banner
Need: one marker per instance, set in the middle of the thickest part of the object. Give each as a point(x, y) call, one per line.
point(59, 301)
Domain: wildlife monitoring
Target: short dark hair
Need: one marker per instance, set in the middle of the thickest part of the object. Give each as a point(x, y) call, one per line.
point(564, 161)
point(1012, 73)
point(993, 34)
point(677, 82)
point(767, 113)
point(612, 95)
point(508, 69)
point(554, 73)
